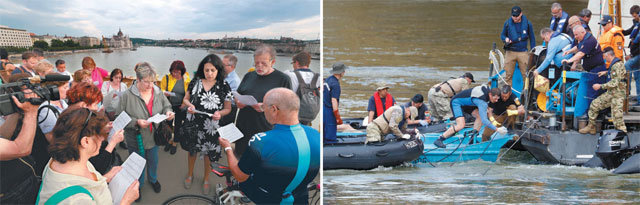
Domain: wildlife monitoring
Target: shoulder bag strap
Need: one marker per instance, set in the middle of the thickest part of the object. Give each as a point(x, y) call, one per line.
point(304, 160)
point(66, 193)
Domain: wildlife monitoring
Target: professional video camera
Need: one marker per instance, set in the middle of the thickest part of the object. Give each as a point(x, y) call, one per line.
point(7, 106)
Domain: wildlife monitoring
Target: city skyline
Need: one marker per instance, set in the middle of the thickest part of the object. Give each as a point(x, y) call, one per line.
point(166, 20)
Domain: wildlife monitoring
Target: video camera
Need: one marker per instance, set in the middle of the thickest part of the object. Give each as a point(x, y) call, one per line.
point(7, 106)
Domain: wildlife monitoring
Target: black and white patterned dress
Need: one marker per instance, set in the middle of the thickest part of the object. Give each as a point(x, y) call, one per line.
point(205, 140)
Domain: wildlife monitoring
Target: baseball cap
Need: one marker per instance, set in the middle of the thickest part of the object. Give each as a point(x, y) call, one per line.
point(515, 11)
point(605, 20)
point(470, 76)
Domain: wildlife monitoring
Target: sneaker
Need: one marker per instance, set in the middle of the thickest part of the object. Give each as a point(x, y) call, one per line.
point(156, 187)
point(205, 188)
point(187, 182)
point(439, 142)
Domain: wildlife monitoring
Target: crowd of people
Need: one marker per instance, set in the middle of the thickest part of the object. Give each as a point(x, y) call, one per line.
point(568, 40)
point(60, 151)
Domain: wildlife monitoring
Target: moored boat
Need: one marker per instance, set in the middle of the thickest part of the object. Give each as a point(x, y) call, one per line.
point(463, 146)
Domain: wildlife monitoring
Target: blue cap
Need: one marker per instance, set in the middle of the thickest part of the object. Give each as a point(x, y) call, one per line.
point(515, 11)
point(605, 20)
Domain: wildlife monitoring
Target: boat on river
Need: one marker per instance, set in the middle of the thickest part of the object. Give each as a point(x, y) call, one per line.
point(464, 146)
point(548, 130)
point(351, 152)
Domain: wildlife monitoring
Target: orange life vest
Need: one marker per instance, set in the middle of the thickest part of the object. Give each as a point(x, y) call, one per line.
point(614, 39)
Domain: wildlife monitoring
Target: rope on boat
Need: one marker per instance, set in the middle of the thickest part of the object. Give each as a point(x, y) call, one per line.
point(514, 143)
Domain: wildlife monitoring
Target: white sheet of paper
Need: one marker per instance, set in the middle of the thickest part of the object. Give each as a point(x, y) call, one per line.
point(119, 123)
point(230, 132)
point(157, 118)
point(204, 113)
point(172, 94)
point(245, 99)
point(131, 170)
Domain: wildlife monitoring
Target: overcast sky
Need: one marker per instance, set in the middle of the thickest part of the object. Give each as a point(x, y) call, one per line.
point(162, 19)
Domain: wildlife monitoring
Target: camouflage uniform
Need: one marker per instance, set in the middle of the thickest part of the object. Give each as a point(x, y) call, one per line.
point(614, 97)
point(439, 97)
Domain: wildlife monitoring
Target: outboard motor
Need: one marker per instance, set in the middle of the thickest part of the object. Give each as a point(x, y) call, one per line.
point(613, 148)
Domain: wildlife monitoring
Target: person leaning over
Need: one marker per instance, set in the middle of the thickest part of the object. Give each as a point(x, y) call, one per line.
point(476, 98)
point(614, 97)
point(504, 111)
point(69, 177)
point(417, 101)
point(515, 33)
point(393, 120)
point(439, 97)
point(588, 50)
point(278, 164)
point(330, 101)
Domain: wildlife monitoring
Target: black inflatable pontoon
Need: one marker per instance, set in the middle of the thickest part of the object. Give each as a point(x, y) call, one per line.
point(351, 153)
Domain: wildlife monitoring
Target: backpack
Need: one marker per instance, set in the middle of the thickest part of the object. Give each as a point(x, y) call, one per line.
point(309, 97)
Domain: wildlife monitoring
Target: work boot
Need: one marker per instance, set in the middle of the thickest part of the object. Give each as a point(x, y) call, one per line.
point(590, 129)
point(439, 142)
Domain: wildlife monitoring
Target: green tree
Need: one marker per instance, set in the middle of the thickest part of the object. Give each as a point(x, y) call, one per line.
point(41, 44)
point(70, 43)
point(57, 43)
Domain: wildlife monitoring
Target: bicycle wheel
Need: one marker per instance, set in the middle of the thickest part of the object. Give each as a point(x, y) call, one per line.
point(189, 199)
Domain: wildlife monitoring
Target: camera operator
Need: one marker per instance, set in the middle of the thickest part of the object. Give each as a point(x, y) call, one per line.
point(19, 179)
point(21, 146)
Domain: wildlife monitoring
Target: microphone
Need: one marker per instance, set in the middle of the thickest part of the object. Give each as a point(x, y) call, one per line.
point(49, 78)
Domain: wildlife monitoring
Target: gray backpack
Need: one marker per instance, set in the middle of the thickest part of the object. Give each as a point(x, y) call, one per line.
point(309, 97)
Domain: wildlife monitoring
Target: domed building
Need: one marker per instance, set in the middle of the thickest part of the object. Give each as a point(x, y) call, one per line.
point(119, 41)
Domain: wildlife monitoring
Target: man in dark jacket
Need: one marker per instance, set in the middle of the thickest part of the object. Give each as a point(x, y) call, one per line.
point(515, 33)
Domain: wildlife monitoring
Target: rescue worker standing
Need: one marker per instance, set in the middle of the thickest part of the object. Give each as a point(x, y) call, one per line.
point(558, 22)
point(614, 97)
point(476, 98)
point(379, 102)
point(515, 33)
point(439, 96)
point(393, 121)
point(331, 97)
point(612, 37)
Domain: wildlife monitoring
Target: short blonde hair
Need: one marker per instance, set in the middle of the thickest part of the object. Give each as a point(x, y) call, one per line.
point(44, 67)
point(81, 74)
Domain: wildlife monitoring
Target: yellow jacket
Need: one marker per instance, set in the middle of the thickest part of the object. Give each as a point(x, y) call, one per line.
point(614, 39)
point(172, 82)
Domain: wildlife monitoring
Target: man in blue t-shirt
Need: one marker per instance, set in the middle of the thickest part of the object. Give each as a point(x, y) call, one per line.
point(278, 164)
point(331, 97)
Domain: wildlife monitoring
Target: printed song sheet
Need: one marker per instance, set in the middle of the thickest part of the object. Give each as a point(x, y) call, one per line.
point(157, 118)
point(245, 99)
point(230, 132)
point(121, 121)
point(131, 170)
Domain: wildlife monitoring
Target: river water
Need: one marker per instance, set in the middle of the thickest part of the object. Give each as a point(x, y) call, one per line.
point(162, 57)
point(413, 44)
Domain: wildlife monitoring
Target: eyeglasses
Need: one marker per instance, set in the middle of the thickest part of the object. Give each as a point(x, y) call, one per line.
point(147, 82)
point(86, 122)
point(265, 106)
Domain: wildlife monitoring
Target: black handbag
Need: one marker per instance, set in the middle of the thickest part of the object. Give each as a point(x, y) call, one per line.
point(162, 133)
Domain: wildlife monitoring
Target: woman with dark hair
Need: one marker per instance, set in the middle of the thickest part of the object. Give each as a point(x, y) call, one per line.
point(86, 95)
point(97, 73)
point(175, 86)
point(209, 93)
point(77, 137)
point(111, 92)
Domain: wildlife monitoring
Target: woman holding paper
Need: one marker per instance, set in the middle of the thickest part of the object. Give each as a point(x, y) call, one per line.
point(207, 93)
point(142, 101)
point(174, 87)
point(69, 175)
point(111, 91)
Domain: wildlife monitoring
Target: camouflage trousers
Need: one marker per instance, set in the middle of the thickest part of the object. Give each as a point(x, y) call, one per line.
point(615, 100)
point(439, 105)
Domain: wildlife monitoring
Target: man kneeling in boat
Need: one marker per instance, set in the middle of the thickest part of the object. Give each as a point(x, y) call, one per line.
point(475, 97)
point(503, 112)
point(393, 120)
point(614, 97)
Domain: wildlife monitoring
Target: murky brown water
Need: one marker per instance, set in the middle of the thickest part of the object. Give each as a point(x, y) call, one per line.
point(414, 44)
